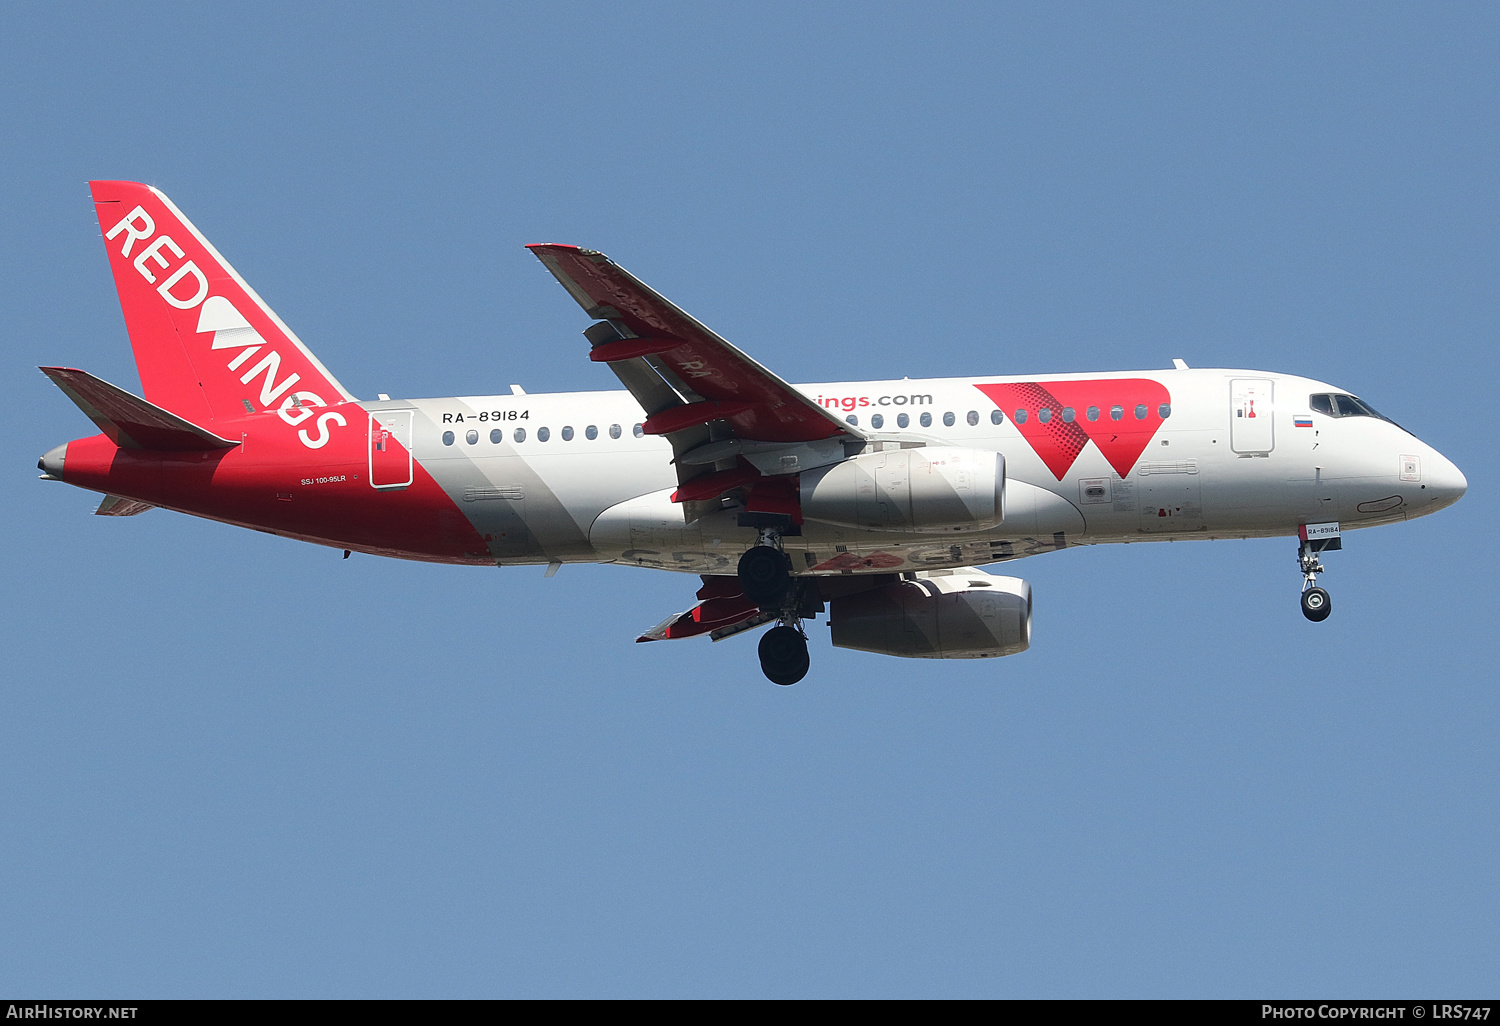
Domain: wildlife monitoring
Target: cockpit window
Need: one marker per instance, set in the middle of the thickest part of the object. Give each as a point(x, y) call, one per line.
point(1335, 404)
point(1341, 405)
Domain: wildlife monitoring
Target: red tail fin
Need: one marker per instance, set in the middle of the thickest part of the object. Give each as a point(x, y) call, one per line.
point(207, 347)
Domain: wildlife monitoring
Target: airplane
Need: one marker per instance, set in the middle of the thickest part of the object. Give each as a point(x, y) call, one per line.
point(876, 502)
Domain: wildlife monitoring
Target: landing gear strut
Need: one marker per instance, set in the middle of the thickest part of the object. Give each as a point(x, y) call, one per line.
point(1316, 605)
point(765, 575)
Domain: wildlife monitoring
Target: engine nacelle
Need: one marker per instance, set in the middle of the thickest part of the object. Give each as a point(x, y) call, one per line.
point(934, 489)
point(963, 615)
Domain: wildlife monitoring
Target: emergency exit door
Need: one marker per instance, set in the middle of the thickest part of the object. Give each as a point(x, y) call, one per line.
point(390, 449)
point(1251, 415)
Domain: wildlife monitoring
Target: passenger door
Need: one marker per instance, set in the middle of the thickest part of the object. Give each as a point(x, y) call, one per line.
point(390, 449)
point(1251, 416)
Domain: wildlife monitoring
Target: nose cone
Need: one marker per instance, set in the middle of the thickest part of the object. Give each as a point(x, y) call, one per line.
point(1446, 484)
point(52, 463)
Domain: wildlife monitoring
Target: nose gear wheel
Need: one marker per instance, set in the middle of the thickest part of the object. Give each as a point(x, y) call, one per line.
point(1316, 603)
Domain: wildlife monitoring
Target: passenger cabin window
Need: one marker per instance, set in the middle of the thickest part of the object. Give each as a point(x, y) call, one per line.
point(447, 437)
point(877, 420)
point(927, 420)
point(497, 436)
point(852, 419)
point(639, 430)
point(520, 435)
point(567, 433)
point(902, 420)
point(1044, 414)
point(614, 431)
point(995, 418)
point(472, 437)
point(1067, 414)
point(973, 418)
point(1092, 413)
point(542, 434)
point(1116, 412)
point(591, 432)
point(1020, 416)
point(1140, 412)
point(947, 420)
point(1164, 410)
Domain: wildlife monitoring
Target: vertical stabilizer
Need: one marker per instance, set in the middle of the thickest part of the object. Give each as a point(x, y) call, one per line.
point(206, 346)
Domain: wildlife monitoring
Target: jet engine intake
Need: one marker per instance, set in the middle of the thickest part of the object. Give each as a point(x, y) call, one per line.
point(965, 614)
point(928, 490)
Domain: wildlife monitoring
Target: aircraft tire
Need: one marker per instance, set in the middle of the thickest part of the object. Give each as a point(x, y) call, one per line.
point(783, 655)
point(765, 574)
point(1316, 605)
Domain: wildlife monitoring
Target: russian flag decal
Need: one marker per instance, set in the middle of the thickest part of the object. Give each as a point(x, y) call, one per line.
point(1302, 421)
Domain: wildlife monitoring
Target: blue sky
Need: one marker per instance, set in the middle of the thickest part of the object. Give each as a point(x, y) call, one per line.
point(232, 764)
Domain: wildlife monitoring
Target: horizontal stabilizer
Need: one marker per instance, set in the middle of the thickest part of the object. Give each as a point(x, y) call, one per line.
point(115, 506)
point(128, 420)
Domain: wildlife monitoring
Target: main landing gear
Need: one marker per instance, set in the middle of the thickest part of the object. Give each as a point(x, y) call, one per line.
point(1316, 605)
point(765, 575)
point(783, 654)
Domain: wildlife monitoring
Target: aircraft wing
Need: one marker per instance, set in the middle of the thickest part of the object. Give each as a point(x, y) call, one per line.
point(736, 429)
point(722, 612)
point(756, 403)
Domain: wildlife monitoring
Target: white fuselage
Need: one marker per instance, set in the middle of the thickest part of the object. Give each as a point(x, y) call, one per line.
point(526, 467)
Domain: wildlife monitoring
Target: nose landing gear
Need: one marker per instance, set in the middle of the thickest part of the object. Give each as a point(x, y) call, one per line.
point(1316, 603)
